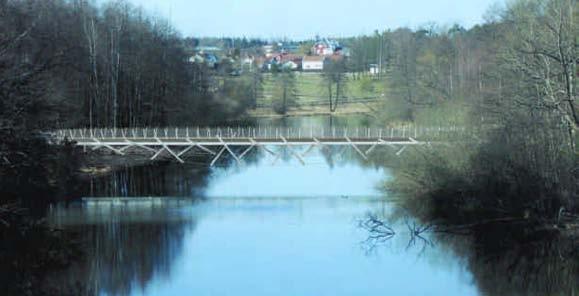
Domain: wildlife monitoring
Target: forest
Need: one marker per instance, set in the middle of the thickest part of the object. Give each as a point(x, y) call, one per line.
point(68, 64)
point(75, 64)
point(511, 82)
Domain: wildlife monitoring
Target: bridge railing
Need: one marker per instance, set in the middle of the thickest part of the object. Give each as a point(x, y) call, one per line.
point(260, 132)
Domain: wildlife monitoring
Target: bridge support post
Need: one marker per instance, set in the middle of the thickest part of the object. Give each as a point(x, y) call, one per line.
point(165, 147)
point(293, 152)
point(246, 151)
point(216, 158)
point(372, 148)
point(101, 144)
point(356, 148)
point(229, 150)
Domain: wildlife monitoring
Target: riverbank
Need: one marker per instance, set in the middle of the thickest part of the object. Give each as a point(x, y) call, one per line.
point(101, 163)
point(504, 180)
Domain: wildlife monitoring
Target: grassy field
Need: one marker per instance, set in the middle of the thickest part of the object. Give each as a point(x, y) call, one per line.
point(360, 96)
point(344, 109)
point(311, 88)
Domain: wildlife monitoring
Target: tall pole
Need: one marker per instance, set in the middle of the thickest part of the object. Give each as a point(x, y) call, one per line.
point(380, 57)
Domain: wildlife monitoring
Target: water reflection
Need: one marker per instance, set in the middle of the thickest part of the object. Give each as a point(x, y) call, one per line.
point(276, 227)
point(504, 259)
point(140, 246)
point(515, 263)
point(254, 246)
point(126, 246)
point(288, 177)
point(161, 179)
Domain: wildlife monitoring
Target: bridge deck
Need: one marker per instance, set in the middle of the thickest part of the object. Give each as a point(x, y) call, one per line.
point(159, 140)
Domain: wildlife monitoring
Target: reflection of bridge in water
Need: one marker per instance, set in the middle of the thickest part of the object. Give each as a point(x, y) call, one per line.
point(177, 142)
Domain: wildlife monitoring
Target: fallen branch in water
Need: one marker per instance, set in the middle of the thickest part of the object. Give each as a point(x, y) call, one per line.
point(379, 231)
point(416, 232)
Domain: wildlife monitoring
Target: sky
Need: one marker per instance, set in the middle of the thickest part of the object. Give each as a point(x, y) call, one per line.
point(301, 19)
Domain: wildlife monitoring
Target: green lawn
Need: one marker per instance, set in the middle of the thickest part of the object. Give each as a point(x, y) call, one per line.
point(311, 87)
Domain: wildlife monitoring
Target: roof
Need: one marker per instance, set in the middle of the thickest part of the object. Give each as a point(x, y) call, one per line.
point(207, 48)
point(291, 57)
point(314, 58)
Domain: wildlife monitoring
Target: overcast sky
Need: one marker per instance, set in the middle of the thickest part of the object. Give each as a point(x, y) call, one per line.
point(306, 18)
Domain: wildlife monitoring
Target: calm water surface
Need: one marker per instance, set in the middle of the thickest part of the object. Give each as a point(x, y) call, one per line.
point(265, 228)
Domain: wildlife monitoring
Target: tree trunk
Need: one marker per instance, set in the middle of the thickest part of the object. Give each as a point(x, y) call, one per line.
point(330, 95)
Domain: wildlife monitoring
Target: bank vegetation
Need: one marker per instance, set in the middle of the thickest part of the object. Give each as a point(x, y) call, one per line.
point(511, 82)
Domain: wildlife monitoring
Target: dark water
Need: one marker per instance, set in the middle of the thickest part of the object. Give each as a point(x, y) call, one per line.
point(278, 228)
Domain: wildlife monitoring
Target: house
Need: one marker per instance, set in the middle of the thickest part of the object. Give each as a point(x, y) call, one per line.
point(374, 69)
point(290, 65)
point(287, 61)
point(196, 59)
point(209, 59)
point(269, 50)
point(290, 48)
point(247, 63)
point(291, 61)
point(208, 49)
point(313, 63)
point(247, 59)
point(326, 47)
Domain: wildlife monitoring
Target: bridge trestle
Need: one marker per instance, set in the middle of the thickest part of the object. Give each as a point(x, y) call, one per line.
point(177, 142)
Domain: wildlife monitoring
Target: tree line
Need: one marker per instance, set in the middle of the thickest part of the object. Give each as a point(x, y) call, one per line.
point(71, 63)
point(522, 59)
point(111, 65)
point(511, 82)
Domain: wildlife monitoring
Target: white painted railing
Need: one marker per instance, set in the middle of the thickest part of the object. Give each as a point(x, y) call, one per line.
point(258, 133)
point(179, 141)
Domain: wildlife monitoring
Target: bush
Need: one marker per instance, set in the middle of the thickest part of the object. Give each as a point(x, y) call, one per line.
point(526, 174)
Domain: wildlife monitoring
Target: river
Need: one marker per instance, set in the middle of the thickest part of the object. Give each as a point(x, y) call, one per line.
point(268, 227)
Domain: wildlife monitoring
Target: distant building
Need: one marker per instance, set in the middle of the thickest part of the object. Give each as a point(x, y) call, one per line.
point(290, 65)
point(268, 50)
point(247, 60)
point(209, 59)
point(313, 63)
point(326, 47)
point(290, 48)
point(208, 49)
point(287, 61)
point(196, 59)
point(292, 59)
point(247, 63)
point(374, 69)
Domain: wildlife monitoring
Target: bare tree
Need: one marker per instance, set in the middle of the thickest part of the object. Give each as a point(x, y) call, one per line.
point(334, 75)
point(544, 53)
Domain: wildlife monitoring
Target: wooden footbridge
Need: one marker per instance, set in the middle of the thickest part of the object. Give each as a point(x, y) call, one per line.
point(177, 142)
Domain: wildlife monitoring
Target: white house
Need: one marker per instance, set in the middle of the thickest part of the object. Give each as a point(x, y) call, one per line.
point(290, 65)
point(313, 63)
point(374, 69)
